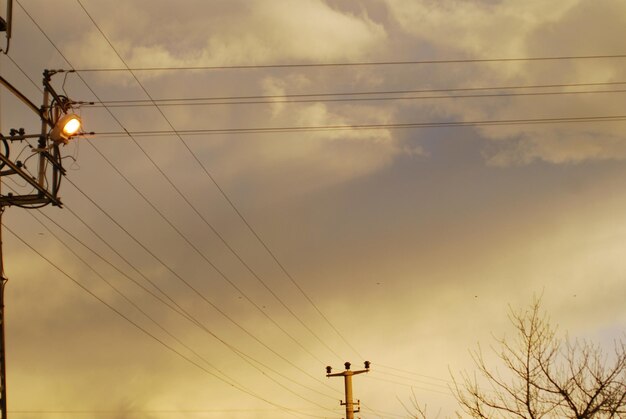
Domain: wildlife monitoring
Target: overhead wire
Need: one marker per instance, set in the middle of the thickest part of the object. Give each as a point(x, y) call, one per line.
point(431, 390)
point(528, 121)
point(220, 272)
point(246, 357)
point(190, 286)
point(226, 378)
point(331, 98)
point(414, 379)
point(129, 300)
point(139, 327)
point(114, 413)
point(64, 57)
point(208, 174)
point(177, 309)
point(413, 373)
point(505, 60)
point(408, 125)
point(143, 246)
point(195, 248)
point(175, 306)
point(172, 306)
point(38, 87)
point(357, 64)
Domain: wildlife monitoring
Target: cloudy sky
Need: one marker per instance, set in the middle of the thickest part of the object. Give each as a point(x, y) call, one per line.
point(237, 243)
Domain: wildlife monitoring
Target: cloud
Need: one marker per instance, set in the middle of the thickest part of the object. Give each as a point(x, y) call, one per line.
point(558, 146)
point(472, 27)
point(235, 32)
point(509, 29)
point(247, 32)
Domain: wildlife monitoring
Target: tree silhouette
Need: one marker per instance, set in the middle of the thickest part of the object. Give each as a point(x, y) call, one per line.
point(544, 376)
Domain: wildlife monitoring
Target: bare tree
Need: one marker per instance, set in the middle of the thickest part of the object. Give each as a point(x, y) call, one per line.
point(416, 410)
point(544, 376)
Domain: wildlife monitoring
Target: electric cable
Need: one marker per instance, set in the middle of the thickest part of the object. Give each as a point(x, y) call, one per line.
point(413, 373)
point(415, 380)
point(114, 413)
point(411, 386)
point(185, 314)
point(38, 87)
point(256, 276)
point(197, 160)
point(408, 125)
point(272, 100)
point(376, 92)
point(358, 64)
point(200, 253)
point(130, 301)
point(143, 246)
point(172, 306)
point(225, 377)
point(139, 327)
point(190, 286)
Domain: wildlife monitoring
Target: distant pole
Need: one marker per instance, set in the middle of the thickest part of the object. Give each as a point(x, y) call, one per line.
point(347, 379)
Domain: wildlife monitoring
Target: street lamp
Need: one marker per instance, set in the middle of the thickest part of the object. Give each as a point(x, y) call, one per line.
point(67, 126)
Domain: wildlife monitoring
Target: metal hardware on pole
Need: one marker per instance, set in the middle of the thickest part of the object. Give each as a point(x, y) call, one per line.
point(347, 379)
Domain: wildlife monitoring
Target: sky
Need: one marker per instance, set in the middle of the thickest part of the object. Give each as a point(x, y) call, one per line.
point(212, 257)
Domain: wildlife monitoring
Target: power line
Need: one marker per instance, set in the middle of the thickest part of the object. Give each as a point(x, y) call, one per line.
point(221, 273)
point(410, 385)
point(112, 413)
point(416, 380)
point(152, 254)
point(128, 299)
point(413, 373)
point(358, 64)
point(341, 97)
point(189, 285)
point(38, 87)
point(208, 174)
point(140, 328)
point(408, 125)
point(243, 355)
point(183, 313)
point(202, 255)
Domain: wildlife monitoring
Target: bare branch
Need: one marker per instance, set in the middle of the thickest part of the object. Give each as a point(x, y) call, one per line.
point(545, 378)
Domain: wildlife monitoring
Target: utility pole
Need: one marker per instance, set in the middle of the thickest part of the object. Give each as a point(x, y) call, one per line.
point(347, 378)
point(5, 26)
point(58, 125)
point(3, 281)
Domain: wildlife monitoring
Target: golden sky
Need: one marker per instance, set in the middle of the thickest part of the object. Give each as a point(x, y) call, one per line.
point(299, 249)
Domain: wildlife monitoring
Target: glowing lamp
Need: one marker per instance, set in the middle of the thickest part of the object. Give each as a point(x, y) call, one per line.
point(67, 126)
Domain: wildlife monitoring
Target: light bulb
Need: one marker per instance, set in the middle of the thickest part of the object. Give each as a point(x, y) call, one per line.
point(65, 127)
